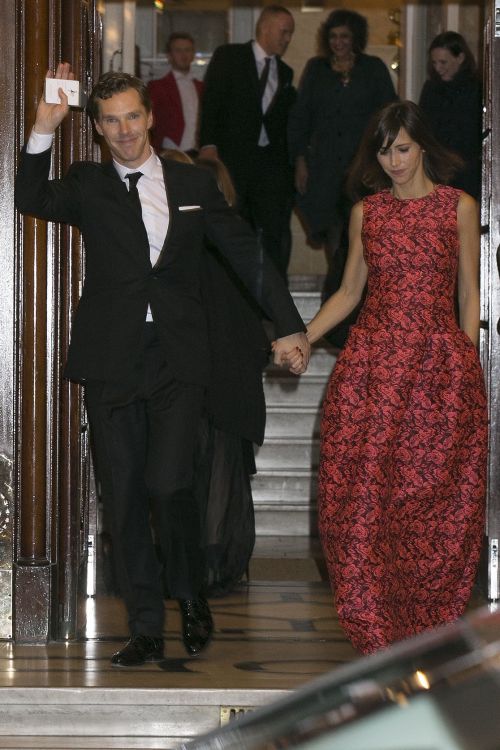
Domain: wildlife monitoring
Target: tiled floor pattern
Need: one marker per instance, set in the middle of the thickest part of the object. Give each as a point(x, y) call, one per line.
point(267, 635)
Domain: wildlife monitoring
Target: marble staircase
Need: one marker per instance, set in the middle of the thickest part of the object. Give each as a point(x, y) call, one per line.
point(284, 488)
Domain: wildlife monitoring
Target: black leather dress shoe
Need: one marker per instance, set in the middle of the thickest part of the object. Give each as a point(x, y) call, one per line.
point(139, 649)
point(197, 624)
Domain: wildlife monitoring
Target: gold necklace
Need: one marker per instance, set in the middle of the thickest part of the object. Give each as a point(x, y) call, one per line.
point(344, 70)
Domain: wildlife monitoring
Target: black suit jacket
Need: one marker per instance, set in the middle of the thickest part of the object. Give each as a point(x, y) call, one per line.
point(119, 280)
point(231, 111)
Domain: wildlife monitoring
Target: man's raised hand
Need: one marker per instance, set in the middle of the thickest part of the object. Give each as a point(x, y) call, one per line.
point(50, 116)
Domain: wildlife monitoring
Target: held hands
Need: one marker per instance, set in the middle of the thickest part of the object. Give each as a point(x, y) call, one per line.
point(293, 351)
point(50, 116)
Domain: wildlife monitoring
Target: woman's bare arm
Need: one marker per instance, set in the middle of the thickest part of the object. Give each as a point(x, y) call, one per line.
point(468, 266)
point(340, 304)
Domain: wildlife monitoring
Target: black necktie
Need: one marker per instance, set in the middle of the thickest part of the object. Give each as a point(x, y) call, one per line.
point(133, 178)
point(264, 76)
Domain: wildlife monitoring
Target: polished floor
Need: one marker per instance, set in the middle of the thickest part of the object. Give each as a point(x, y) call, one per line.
point(274, 633)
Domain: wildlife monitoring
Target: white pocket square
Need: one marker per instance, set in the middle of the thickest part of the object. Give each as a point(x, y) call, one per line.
point(189, 208)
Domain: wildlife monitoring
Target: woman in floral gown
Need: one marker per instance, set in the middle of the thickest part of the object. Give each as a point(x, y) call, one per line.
point(404, 431)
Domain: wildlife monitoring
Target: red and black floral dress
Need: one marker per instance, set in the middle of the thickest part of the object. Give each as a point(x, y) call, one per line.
point(402, 475)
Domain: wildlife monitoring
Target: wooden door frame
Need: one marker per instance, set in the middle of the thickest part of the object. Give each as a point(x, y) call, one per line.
point(43, 442)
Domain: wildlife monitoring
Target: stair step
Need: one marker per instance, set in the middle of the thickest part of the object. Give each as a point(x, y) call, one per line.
point(322, 360)
point(284, 481)
point(287, 452)
point(292, 421)
point(306, 282)
point(273, 498)
point(118, 716)
point(307, 303)
point(285, 502)
point(273, 519)
point(307, 390)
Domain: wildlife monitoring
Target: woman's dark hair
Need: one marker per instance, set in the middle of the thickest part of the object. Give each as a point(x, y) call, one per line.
point(367, 176)
point(116, 83)
point(456, 45)
point(357, 25)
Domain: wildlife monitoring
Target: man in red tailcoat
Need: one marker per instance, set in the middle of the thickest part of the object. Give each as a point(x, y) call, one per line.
point(176, 98)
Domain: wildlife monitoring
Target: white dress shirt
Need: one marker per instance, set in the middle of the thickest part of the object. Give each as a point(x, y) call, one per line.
point(271, 85)
point(152, 194)
point(190, 101)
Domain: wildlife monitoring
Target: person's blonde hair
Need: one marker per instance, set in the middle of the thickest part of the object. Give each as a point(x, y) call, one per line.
point(176, 155)
point(222, 177)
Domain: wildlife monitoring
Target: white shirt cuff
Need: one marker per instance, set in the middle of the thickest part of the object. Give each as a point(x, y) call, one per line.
point(39, 142)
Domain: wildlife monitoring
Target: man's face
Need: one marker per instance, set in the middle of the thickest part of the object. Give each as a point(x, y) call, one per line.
point(276, 33)
point(181, 55)
point(124, 124)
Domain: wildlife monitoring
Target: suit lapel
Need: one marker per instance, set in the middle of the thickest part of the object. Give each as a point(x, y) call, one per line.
point(251, 70)
point(173, 203)
point(281, 84)
point(109, 170)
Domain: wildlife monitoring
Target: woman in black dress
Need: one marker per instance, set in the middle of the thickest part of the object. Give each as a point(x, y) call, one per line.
point(231, 425)
point(339, 91)
point(451, 98)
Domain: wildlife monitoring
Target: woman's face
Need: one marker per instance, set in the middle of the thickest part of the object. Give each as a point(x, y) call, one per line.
point(403, 160)
point(340, 41)
point(445, 63)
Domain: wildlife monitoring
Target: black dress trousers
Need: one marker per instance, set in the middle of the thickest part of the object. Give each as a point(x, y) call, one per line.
point(144, 434)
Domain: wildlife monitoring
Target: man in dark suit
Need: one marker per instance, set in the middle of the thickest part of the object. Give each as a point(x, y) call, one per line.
point(176, 97)
point(245, 105)
point(139, 339)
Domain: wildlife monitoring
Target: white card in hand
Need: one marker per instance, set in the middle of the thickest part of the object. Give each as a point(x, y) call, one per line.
point(70, 88)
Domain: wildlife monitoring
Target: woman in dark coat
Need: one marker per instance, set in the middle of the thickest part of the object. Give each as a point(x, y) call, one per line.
point(451, 98)
point(339, 91)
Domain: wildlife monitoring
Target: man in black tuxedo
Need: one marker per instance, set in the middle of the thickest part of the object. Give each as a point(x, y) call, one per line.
point(139, 339)
point(244, 113)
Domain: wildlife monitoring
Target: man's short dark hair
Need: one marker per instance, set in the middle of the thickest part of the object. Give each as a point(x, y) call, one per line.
point(271, 10)
point(112, 83)
point(178, 35)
